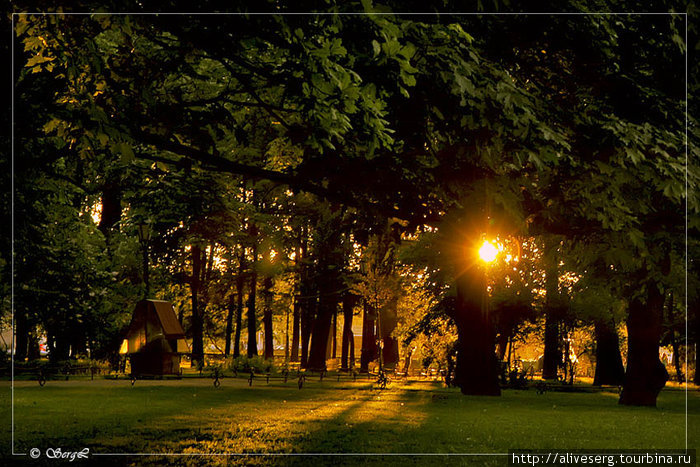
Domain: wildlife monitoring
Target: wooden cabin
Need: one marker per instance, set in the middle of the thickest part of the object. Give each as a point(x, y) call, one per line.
point(155, 339)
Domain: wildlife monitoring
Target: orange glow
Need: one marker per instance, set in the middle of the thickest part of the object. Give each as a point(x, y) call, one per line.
point(96, 212)
point(488, 252)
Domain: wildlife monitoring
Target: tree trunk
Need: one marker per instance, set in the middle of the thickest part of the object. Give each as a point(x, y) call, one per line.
point(34, 350)
point(61, 348)
point(352, 350)
point(552, 355)
point(269, 350)
point(78, 344)
point(329, 261)
point(348, 303)
point(676, 357)
point(229, 324)
point(390, 348)
point(609, 369)
point(477, 366)
point(674, 342)
point(296, 322)
point(252, 322)
point(286, 335)
point(334, 335)
point(694, 310)
point(568, 366)
point(502, 345)
point(307, 299)
point(322, 326)
point(646, 375)
point(50, 344)
point(368, 353)
point(308, 306)
point(240, 284)
point(111, 201)
point(407, 360)
point(230, 312)
point(22, 330)
point(197, 328)
point(510, 351)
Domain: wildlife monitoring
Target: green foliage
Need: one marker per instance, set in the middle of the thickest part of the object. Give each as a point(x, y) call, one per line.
point(256, 364)
point(225, 135)
point(598, 303)
point(424, 328)
point(377, 284)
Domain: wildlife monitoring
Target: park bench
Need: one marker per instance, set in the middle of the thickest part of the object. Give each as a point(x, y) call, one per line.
point(284, 376)
point(302, 376)
point(543, 387)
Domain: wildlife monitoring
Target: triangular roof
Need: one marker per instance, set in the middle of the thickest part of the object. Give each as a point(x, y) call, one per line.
point(166, 314)
point(172, 329)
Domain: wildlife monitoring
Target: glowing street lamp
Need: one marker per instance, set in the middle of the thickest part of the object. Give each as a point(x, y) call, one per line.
point(488, 252)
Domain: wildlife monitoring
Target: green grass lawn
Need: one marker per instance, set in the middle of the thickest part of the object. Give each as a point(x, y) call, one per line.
point(191, 416)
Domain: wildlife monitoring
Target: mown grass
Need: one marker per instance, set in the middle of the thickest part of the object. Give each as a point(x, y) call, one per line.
point(193, 417)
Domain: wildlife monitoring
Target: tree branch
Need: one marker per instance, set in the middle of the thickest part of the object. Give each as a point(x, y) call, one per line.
point(251, 90)
point(220, 164)
point(225, 165)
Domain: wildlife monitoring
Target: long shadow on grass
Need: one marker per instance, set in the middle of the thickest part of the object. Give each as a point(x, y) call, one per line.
point(389, 429)
point(411, 418)
point(434, 421)
point(121, 418)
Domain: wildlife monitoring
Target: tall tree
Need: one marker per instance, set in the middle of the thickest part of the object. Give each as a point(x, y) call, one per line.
point(329, 263)
point(346, 352)
point(252, 315)
point(562, 127)
point(552, 352)
point(268, 349)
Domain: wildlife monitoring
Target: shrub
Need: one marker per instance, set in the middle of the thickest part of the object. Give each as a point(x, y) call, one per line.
point(256, 363)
